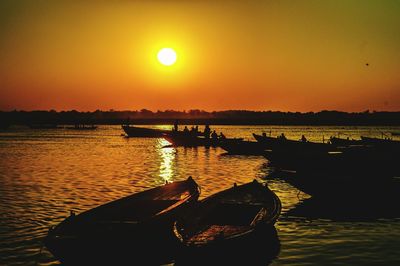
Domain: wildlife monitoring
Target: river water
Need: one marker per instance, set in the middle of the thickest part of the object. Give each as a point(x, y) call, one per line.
point(46, 173)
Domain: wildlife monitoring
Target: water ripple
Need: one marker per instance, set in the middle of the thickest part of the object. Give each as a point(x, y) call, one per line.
point(46, 173)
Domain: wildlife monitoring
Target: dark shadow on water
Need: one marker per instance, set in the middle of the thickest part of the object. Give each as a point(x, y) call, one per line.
point(352, 204)
point(129, 255)
point(360, 208)
point(243, 156)
point(343, 198)
point(124, 251)
point(259, 249)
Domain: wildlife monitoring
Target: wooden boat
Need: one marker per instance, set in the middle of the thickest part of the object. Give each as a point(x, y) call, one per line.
point(187, 140)
point(44, 126)
point(133, 131)
point(229, 215)
point(117, 228)
point(272, 143)
point(258, 249)
point(4, 126)
point(380, 142)
point(349, 203)
point(82, 127)
point(325, 184)
point(340, 142)
point(243, 147)
point(353, 169)
point(349, 161)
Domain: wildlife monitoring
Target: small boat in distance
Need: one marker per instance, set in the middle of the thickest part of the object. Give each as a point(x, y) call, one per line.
point(82, 127)
point(341, 142)
point(116, 229)
point(377, 141)
point(179, 139)
point(44, 126)
point(133, 131)
point(282, 143)
point(243, 147)
point(228, 216)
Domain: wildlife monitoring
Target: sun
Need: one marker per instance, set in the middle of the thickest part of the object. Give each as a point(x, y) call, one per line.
point(167, 56)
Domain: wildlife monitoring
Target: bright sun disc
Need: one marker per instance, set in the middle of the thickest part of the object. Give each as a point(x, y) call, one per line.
point(166, 56)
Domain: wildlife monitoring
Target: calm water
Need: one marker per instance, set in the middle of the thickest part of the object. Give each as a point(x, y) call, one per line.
point(46, 173)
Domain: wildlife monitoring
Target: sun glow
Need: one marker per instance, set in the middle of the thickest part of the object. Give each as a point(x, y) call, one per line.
point(166, 56)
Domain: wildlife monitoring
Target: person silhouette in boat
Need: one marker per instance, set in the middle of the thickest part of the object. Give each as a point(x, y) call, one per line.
point(282, 137)
point(222, 136)
point(214, 135)
point(207, 132)
point(176, 126)
point(303, 138)
point(193, 131)
point(186, 130)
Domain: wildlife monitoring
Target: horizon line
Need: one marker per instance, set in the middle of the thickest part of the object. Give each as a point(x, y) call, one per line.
point(195, 109)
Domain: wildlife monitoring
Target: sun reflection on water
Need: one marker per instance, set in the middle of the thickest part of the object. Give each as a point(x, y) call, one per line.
point(167, 160)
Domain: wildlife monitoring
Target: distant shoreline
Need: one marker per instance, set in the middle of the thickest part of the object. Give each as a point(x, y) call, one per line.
point(198, 117)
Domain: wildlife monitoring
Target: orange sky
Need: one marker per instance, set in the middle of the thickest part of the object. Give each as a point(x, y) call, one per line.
point(275, 55)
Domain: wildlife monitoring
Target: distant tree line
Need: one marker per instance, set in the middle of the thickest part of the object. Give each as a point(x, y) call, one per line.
point(231, 117)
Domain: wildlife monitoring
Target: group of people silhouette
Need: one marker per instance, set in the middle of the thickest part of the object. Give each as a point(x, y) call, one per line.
point(283, 137)
point(194, 131)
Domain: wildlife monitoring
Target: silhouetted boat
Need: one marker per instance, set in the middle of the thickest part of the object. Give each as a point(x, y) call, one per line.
point(4, 126)
point(359, 203)
point(344, 142)
point(243, 147)
point(324, 184)
point(349, 161)
point(82, 127)
point(187, 140)
point(326, 173)
point(44, 126)
point(380, 142)
point(143, 132)
point(228, 216)
point(272, 143)
point(256, 250)
point(118, 228)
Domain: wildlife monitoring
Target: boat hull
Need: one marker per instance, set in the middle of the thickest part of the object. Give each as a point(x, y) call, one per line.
point(229, 216)
point(140, 132)
point(113, 231)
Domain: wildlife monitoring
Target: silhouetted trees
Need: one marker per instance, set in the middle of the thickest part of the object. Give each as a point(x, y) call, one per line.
point(196, 116)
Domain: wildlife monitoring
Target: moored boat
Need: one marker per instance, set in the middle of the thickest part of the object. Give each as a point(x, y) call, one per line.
point(243, 147)
point(349, 161)
point(272, 143)
point(4, 126)
point(340, 142)
point(44, 126)
point(117, 229)
point(133, 131)
point(186, 140)
point(380, 142)
point(346, 184)
point(228, 216)
point(82, 127)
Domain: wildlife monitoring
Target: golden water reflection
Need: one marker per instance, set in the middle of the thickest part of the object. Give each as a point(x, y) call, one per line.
point(167, 156)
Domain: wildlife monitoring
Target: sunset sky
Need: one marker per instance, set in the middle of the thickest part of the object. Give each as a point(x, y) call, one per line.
point(261, 55)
